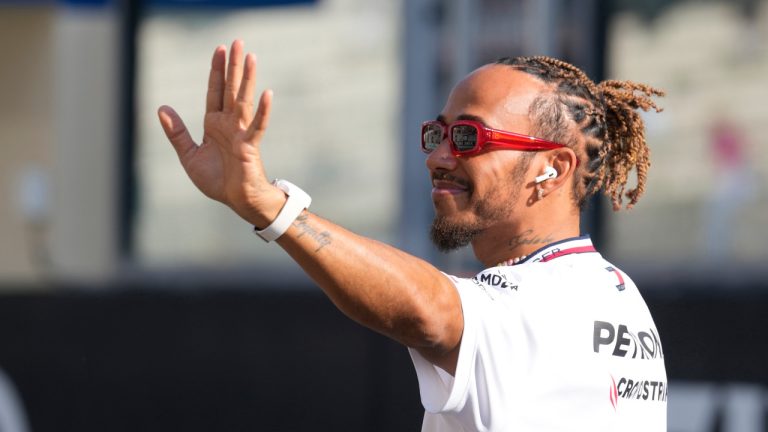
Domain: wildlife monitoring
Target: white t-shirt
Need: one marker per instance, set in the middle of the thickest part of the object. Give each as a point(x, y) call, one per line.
point(562, 341)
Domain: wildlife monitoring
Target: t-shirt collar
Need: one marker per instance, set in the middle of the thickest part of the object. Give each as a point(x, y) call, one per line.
point(574, 245)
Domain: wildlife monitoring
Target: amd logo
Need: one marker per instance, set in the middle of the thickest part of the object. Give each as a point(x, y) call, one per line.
point(495, 280)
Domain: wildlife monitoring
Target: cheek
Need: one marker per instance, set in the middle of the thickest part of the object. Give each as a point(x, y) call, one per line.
point(506, 187)
point(498, 173)
point(489, 180)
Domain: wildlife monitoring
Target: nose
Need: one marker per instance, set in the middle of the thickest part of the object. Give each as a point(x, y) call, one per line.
point(442, 158)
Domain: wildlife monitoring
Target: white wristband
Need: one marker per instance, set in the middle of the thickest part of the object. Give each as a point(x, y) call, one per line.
point(298, 200)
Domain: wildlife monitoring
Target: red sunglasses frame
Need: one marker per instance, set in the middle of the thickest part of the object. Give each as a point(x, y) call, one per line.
point(489, 139)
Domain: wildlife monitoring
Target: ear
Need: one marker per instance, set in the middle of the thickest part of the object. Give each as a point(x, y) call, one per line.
point(564, 161)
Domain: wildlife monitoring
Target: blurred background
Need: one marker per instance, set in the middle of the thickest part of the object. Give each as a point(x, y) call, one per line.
point(128, 301)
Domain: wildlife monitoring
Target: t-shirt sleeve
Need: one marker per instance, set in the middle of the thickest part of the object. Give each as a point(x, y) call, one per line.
point(439, 390)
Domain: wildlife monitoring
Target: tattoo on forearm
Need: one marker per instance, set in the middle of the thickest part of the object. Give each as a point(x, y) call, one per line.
point(528, 238)
point(323, 239)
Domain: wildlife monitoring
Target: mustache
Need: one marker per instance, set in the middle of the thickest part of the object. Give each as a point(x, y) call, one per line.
point(451, 178)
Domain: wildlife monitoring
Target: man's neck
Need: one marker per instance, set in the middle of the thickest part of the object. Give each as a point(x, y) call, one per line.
point(506, 242)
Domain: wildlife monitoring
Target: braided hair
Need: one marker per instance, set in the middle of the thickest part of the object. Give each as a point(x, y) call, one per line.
point(603, 115)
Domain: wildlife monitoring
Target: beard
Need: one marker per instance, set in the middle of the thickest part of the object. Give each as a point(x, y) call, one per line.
point(448, 233)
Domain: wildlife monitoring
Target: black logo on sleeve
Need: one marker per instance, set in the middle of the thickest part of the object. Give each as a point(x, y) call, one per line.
point(619, 278)
point(621, 342)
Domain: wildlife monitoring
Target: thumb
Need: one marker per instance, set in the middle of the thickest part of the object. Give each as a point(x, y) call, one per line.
point(176, 131)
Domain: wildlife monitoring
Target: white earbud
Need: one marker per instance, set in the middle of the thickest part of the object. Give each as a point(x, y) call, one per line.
point(549, 173)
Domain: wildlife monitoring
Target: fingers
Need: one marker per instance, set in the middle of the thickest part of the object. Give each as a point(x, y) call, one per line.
point(214, 101)
point(247, 87)
point(261, 119)
point(176, 132)
point(231, 86)
point(234, 75)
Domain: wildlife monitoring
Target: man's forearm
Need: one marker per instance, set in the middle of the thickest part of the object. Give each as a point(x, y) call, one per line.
point(377, 285)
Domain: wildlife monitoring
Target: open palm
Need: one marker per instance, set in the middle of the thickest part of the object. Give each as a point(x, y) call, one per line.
point(226, 166)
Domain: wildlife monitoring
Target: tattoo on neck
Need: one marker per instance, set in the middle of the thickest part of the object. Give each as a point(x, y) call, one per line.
point(528, 238)
point(323, 239)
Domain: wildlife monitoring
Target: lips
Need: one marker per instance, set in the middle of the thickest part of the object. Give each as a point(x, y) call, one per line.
point(448, 184)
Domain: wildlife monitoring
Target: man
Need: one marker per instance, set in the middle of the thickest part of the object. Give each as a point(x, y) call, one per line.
point(551, 336)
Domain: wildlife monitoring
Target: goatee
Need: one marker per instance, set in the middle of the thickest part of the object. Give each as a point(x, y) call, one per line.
point(448, 236)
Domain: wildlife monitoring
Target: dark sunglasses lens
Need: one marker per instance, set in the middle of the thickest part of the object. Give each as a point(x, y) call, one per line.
point(464, 137)
point(431, 135)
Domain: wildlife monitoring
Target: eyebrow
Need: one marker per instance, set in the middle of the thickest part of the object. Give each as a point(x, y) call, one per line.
point(441, 118)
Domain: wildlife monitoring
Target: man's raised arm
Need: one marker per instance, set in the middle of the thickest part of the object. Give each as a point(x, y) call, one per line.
point(379, 286)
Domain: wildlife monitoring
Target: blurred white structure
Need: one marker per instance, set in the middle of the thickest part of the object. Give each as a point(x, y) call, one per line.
point(12, 415)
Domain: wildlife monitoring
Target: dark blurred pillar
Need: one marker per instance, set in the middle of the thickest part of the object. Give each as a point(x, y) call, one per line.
point(130, 11)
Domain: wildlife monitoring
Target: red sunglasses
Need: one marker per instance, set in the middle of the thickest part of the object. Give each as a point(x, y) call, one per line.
point(468, 138)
